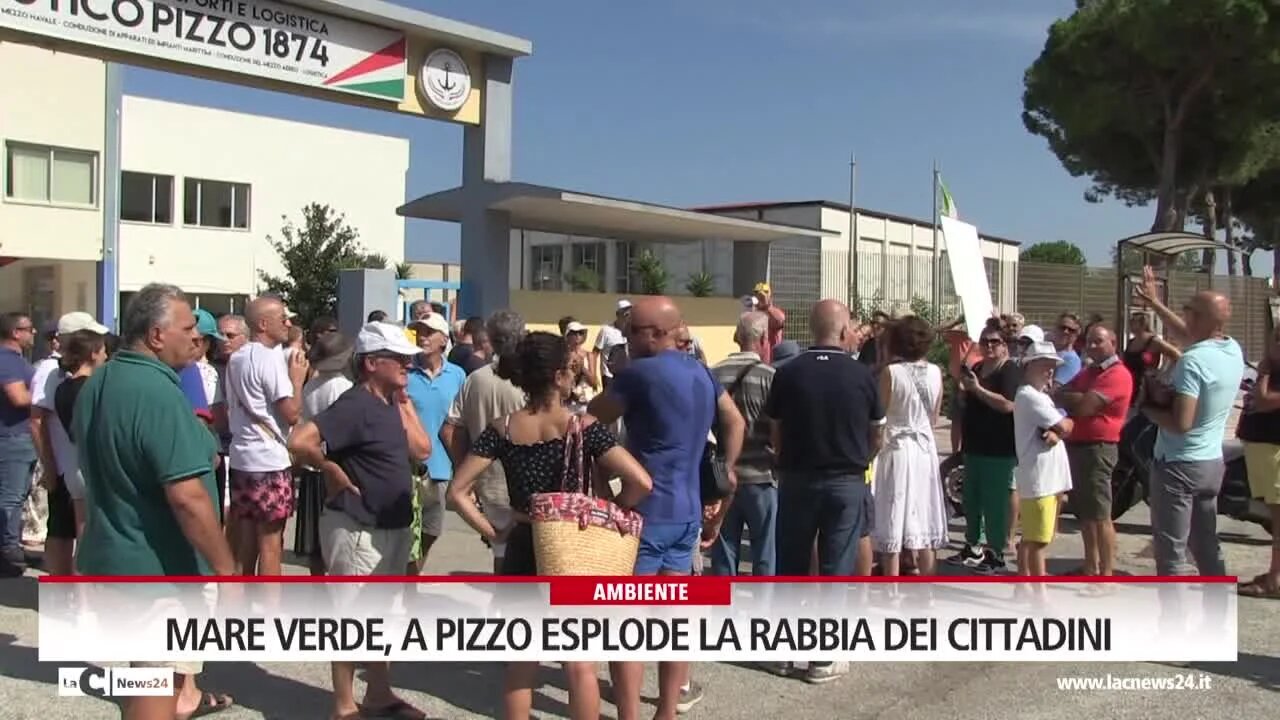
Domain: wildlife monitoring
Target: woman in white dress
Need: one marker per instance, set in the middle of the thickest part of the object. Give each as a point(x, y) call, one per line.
point(910, 510)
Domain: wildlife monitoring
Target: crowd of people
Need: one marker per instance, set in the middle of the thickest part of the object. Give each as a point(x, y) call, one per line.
point(183, 446)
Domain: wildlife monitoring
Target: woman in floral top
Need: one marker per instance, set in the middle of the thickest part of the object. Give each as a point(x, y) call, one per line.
point(530, 444)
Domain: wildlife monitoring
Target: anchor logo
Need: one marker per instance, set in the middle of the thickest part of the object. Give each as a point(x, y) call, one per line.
point(445, 80)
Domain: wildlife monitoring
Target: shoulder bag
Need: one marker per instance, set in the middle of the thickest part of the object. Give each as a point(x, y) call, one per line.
point(713, 474)
point(577, 533)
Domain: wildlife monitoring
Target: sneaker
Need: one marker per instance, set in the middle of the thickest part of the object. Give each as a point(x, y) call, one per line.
point(781, 669)
point(991, 564)
point(689, 696)
point(969, 556)
point(819, 673)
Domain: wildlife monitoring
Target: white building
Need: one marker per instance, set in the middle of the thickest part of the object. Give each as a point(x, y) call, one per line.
point(895, 259)
point(202, 190)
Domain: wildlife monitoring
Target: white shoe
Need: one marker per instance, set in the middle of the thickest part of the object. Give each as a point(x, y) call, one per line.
point(819, 673)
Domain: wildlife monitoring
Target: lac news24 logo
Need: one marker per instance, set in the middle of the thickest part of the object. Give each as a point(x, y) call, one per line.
point(114, 682)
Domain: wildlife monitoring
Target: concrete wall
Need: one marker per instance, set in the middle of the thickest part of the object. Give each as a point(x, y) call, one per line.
point(711, 320)
point(287, 165)
point(57, 100)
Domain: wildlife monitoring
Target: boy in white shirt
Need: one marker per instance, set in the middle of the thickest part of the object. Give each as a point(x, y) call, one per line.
point(1043, 474)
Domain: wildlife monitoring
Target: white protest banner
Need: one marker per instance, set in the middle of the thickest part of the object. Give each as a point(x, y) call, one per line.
point(251, 37)
point(964, 255)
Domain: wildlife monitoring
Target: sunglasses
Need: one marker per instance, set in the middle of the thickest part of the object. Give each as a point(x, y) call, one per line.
point(992, 341)
point(1068, 329)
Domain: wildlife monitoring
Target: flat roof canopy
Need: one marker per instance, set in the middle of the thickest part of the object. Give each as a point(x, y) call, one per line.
point(548, 209)
point(1171, 243)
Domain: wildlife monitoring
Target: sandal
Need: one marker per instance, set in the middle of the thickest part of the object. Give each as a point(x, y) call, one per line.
point(1256, 580)
point(398, 710)
point(1259, 590)
point(210, 703)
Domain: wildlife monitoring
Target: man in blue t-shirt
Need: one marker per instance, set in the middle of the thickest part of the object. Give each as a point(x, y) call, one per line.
point(433, 384)
point(1064, 339)
point(668, 402)
point(1192, 416)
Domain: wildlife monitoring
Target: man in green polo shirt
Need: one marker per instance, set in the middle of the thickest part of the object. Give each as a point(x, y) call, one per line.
point(147, 462)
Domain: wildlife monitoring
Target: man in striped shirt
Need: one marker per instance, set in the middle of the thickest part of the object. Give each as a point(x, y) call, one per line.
point(747, 379)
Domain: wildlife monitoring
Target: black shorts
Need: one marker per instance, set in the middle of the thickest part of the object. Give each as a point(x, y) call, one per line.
point(62, 513)
point(519, 559)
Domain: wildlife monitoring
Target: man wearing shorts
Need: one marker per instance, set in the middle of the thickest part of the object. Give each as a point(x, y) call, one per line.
point(828, 422)
point(433, 384)
point(485, 397)
point(147, 462)
point(264, 400)
point(1259, 428)
point(1097, 400)
point(365, 445)
point(668, 402)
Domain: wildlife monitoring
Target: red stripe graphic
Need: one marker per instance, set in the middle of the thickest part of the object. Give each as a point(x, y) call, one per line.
point(384, 58)
point(496, 579)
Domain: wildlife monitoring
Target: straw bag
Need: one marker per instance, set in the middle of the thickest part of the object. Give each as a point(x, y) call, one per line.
point(576, 533)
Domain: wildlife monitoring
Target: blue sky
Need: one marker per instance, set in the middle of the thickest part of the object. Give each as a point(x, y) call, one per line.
point(691, 102)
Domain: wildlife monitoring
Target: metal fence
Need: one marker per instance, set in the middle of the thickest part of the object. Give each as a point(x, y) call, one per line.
point(1045, 291)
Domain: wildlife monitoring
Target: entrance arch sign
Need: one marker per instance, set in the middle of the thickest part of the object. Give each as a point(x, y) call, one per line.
point(258, 38)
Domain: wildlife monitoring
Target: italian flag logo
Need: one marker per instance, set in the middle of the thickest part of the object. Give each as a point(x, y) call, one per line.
point(380, 75)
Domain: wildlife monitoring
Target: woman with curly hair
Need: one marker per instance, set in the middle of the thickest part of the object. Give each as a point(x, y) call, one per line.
point(530, 444)
point(910, 510)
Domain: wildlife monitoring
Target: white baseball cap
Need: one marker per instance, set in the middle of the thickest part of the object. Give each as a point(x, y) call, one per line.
point(1041, 351)
point(1034, 333)
point(575, 326)
point(624, 304)
point(433, 322)
point(384, 337)
point(80, 320)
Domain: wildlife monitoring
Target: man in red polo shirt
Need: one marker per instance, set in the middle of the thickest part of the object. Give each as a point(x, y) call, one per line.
point(1098, 401)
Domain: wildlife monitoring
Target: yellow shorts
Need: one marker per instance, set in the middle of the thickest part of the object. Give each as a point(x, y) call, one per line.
point(1262, 461)
point(1038, 518)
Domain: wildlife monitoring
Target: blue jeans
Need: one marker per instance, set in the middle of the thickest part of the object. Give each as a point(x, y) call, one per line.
point(835, 510)
point(17, 461)
point(756, 506)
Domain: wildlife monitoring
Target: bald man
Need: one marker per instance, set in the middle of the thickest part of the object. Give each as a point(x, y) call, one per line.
point(827, 421)
point(264, 400)
point(668, 402)
point(1188, 455)
point(1097, 400)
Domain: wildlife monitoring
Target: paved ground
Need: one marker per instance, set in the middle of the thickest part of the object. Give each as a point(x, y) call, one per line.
point(1244, 689)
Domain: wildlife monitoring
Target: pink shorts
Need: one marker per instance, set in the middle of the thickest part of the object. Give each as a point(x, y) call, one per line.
point(262, 496)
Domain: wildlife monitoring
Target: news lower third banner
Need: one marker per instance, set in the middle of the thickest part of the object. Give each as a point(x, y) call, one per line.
point(643, 619)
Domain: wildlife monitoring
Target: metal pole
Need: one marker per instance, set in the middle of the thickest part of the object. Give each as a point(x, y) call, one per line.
point(853, 238)
point(109, 266)
point(937, 254)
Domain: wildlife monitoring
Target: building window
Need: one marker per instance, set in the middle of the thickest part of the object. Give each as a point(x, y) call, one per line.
point(587, 271)
point(213, 203)
point(146, 198)
point(36, 173)
point(625, 275)
point(548, 266)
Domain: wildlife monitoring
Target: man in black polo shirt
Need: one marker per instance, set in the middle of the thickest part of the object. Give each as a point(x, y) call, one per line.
point(827, 421)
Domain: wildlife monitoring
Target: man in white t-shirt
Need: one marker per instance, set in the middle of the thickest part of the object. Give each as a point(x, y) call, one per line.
point(1043, 473)
point(60, 465)
point(611, 335)
point(264, 401)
